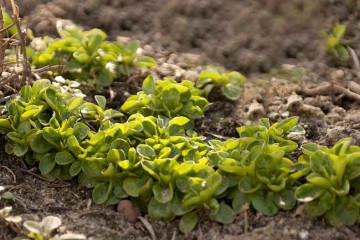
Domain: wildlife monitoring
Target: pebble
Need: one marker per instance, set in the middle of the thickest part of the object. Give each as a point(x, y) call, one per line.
point(337, 74)
point(129, 210)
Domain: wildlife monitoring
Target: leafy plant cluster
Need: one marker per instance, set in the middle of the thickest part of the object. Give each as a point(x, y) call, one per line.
point(169, 170)
point(259, 166)
point(87, 55)
point(230, 83)
point(332, 186)
point(167, 98)
point(335, 45)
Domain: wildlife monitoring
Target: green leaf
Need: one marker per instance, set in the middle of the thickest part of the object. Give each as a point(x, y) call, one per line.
point(5, 125)
point(64, 158)
point(93, 167)
point(38, 144)
point(101, 101)
point(148, 85)
point(232, 91)
point(145, 151)
point(101, 192)
point(47, 163)
point(285, 199)
point(133, 46)
point(160, 211)
point(119, 191)
point(188, 222)
point(145, 61)
point(264, 202)
point(30, 111)
point(81, 130)
point(308, 192)
point(82, 57)
point(321, 164)
point(52, 136)
point(249, 184)
point(239, 200)
point(170, 97)
point(97, 138)
point(180, 121)
point(94, 42)
point(346, 211)
point(20, 149)
point(163, 194)
point(75, 168)
point(319, 206)
point(74, 103)
point(52, 100)
point(133, 185)
point(225, 214)
point(211, 74)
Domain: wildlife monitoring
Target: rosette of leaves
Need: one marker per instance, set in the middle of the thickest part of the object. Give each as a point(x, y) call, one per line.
point(89, 58)
point(167, 98)
point(47, 126)
point(182, 189)
point(112, 168)
point(230, 83)
point(167, 138)
point(258, 166)
point(333, 186)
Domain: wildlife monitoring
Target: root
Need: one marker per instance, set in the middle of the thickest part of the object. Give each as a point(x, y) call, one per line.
point(334, 89)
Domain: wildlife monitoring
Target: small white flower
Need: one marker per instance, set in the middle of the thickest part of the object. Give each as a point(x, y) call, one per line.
point(60, 79)
point(101, 52)
point(38, 44)
point(119, 58)
point(110, 66)
point(139, 51)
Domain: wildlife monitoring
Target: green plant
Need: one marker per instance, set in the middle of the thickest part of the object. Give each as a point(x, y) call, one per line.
point(8, 22)
point(335, 45)
point(167, 98)
point(43, 122)
point(88, 57)
point(44, 230)
point(5, 211)
point(333, 183)
point(230, 82)
point(259, 166)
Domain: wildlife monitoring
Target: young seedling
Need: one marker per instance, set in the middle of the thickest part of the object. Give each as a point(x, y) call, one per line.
point(230, 83)
point(335, 45)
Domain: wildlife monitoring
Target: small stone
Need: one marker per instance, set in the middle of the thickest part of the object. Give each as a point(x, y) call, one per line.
point(129, 210)
point(123, 39)
point(303, 234)
point(337, 74)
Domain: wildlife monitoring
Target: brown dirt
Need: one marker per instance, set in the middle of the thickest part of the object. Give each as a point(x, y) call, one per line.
point(274, 37)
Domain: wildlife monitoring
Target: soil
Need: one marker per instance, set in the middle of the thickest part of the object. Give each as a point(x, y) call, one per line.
point(277, 44)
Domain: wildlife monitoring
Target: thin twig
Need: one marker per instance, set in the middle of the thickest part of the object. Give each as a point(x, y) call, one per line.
point(10, 171)
point(329, 89)
point(2, 49)
point(21, 38)
point(9, 79)
point(148, 226)
point(36, 175)
point(4, 29)
point(55, 185)
point(354, 58)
